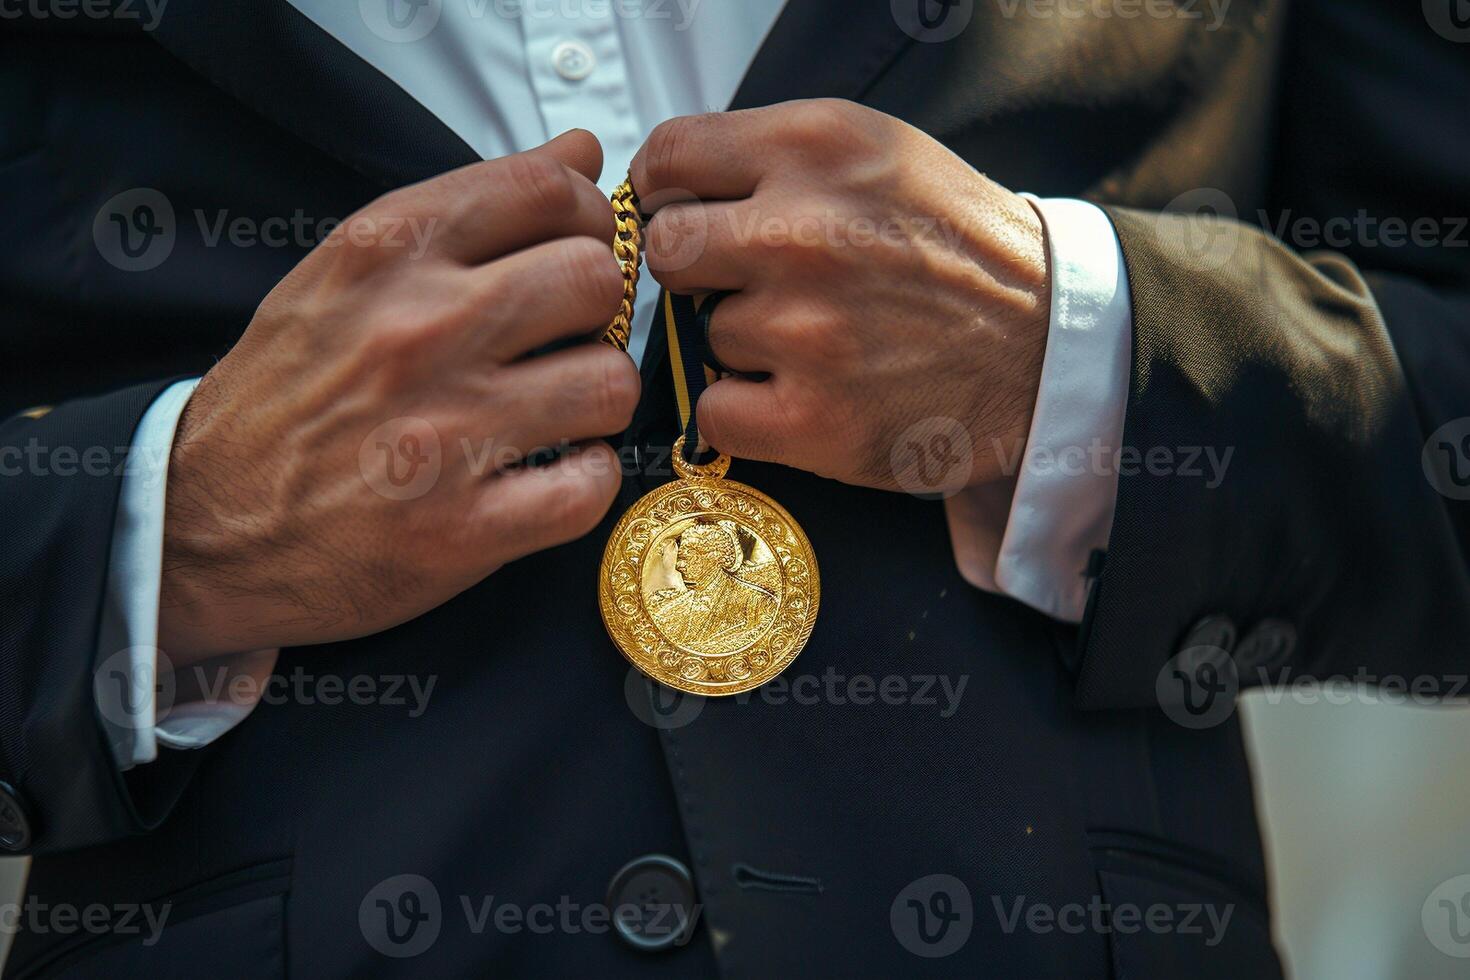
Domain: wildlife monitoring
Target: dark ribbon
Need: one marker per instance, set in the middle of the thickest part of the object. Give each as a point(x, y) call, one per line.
point(693, 366)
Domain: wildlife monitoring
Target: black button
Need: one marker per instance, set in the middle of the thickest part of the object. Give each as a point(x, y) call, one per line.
point(15, 826)
point(651, 900)
point(1267, 647)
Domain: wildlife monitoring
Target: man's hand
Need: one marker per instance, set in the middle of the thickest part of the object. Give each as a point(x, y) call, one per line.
point(343, 468)
point(898, 299)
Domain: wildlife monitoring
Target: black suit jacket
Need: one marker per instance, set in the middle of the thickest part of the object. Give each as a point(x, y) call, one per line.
point(1056, 782)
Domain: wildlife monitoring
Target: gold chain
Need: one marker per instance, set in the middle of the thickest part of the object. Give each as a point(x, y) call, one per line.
point(627, 247)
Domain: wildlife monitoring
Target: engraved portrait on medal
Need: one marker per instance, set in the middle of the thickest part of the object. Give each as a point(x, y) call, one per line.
point(708, 585)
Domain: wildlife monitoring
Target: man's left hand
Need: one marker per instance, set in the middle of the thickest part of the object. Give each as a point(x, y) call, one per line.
point(894, 295)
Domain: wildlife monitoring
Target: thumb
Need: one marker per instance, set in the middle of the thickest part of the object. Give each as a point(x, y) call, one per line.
point(576, 148)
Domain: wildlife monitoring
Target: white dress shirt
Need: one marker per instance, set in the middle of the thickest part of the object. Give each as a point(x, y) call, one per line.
point(507, 76)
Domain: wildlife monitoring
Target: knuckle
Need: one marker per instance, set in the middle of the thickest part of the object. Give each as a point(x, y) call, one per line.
point(718, 423)
point(353, 252)
point(543, 183)
point(606, 392)
point(667, 149)
point(591, 273)
point(714, 425)
point(580, 504)
point(620, 386)
point(677, 236)
point(404, 206)
point(821, 117)
point(404, 328)
point(829, 124)
point(829, 336)
point(595, 221)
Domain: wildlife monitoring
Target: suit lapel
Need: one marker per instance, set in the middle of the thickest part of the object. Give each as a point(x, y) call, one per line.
point(823, 49)
point(274, 59)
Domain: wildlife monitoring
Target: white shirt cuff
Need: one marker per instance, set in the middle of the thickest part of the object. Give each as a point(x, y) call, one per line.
point(139, 698)
point(1034, 544)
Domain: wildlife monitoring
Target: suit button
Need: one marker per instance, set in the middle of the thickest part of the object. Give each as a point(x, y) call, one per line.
point(1212, 631)
point(651, 899)
point(15, 827)
point(1267, 647)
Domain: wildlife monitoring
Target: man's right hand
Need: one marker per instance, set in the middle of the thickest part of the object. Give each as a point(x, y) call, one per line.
point(341, 470)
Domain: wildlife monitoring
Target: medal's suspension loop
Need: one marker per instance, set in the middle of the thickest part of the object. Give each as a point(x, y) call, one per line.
point(713, 470)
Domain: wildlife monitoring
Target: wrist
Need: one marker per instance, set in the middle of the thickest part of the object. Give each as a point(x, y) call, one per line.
point(1018, 320)
point(206, 591)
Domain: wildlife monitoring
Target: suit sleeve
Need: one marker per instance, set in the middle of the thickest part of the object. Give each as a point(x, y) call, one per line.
point(1337, 381)
point(58, 498)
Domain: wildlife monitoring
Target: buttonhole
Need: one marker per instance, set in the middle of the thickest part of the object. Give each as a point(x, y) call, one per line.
point(771, 881)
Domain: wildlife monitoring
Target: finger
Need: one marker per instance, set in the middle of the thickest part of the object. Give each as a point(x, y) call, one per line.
point(710, 157)
point(573, 394)
point(482, 211)
point(694, 247)
point(744, 335)
point(566, 288)
point(746, 419)
point(528, 510)
point(577, 149)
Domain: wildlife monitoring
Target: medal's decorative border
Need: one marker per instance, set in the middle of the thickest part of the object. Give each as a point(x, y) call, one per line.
point(632, 630)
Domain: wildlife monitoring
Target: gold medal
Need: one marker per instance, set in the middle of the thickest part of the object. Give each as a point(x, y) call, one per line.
point(707, 585)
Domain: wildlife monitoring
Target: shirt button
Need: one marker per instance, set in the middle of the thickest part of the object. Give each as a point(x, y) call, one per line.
point(573, 60)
